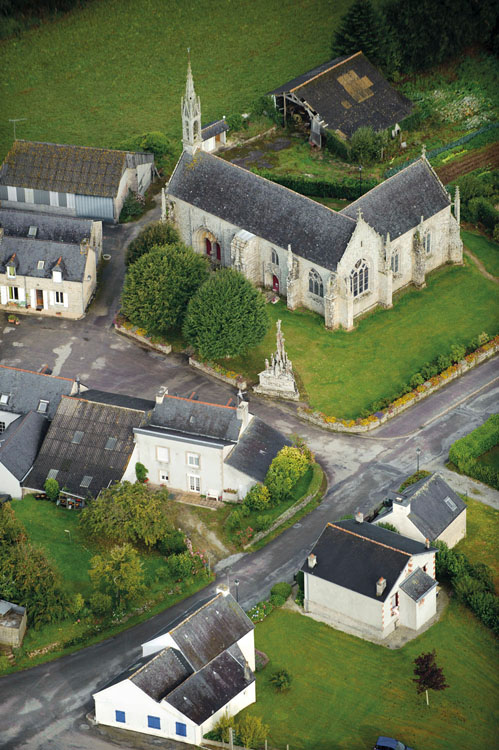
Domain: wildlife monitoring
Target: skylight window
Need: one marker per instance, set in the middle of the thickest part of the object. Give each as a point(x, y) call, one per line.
point(52, 473)
point(32, 231)
point(77, 437)
point(85, 482)
point(4, 398)
point(43, 406)
point(111, 444)
point(450, 503)
point(41, 264)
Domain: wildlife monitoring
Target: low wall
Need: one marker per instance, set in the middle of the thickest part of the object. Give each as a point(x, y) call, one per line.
point(237, 381)
point(131, 333)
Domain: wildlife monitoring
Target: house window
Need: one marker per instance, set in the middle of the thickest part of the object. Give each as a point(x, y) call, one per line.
point(395, 262)
point(59, 298)
point(2, 427)
point(120, 716)
point(163, 477)
point(153, 722)
point(394, 604)
point(275, 258)
point(11, 272)
point(427, 242)
point(315, 285)
point(193, 460)
point(181, 729)
point(43, 406)
point(194, 483)
point(359, 278)
point(13, 294)
point(162, 454)
point(57, 276)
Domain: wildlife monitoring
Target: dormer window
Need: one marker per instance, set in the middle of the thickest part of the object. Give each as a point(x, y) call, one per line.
point(11, 272)
point(57, 276)
point(43, 406)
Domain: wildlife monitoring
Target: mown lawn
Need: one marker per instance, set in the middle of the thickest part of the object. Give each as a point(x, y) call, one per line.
point(485, 250)
point(116, 68)
point(482, 533)
point(346, 691)
point(342, 373)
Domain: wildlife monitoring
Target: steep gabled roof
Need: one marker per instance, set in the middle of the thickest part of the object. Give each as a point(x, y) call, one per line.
point(214, 128)
point(433, 505)
point(418, 584)
point(262, 207)
point(20, 442)
point(162, 673)
point(196, 418)
point(25, 389)
point(255, 450)
point(397, 204)
point(29, 252)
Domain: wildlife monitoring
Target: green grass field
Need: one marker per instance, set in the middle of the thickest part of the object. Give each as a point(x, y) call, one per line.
point(485, 250)
point(116, 68)
point(482, 533)
point(343, 373)
point(346, 691)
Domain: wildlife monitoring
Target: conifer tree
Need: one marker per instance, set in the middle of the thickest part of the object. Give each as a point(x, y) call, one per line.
point(364, 28)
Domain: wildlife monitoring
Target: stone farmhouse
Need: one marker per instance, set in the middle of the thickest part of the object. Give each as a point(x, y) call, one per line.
point(188, 677)
point(72, 180)
point(368, 581)
point(338, 264)
point(428, 509)
point(48, 263)
point(341, 96)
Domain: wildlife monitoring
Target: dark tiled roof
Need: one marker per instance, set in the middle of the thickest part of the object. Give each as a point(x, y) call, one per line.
point(49, 226)
point(255, 450)
point(262, 207)
point(117, 399)
point(214, 128)
point(28, 252)
point(397, 205)
point(418, 584)
point(349, 94)
point(355, 556)
point(305, 77)
point(429, 511)
point(210, 630)
point(67, 169)
point(162, 673)
point(88, 457)
point(26, 388)
point(20, 443)
point(194, 418)
point(208, 690)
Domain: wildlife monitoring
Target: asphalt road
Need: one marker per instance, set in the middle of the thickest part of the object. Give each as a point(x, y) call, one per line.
point(44, 708)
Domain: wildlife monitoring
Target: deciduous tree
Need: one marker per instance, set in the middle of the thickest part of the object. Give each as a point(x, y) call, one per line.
point(118, 573)
point(429, 676)
point(285, 470)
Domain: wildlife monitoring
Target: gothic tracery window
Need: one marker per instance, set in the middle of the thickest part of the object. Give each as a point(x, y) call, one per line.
point(315, 285)
point(395, 262)
point(359, 278)
point(427, 242)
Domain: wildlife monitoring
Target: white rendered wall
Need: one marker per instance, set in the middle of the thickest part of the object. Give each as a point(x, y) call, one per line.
point(8, 482)
point(455, 531)
point(245, 698)
point(328, 599)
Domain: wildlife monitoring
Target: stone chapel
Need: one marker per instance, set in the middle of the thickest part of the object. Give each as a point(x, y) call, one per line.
point(338, 264)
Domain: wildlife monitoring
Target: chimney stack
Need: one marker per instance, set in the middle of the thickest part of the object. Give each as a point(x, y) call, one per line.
point(359, 517)
point(380, 586)
point(243, 414)
point(312, 560)
point(427, 543)
point(163, 391)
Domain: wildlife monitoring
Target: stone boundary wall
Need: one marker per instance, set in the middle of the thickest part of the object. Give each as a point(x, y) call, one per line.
point(144, 340)
point(403, 403)
point(289, 513)
point(237, 381)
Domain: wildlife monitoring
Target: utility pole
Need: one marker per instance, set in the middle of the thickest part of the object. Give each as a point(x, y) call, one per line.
point(18, 119)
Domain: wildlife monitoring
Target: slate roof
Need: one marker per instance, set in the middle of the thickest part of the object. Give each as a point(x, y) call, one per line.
point(429, 511)
point(162, 673)
point(349, 93)
point(25, 389)
point(28, 252)
point(88, 457)
point(210, 630)
point(214, 128)
point(49, 226)
point(196, 418)
point(64, 168)
point(355, 555)
point(20, 443)
point(262, 207)
point(397, 204)
point(208, 690)
point(418, 584)
point(305, 77)
point(255, 450)
point(117, 399)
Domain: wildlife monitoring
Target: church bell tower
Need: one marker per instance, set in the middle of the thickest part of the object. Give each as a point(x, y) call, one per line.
point(191, 115)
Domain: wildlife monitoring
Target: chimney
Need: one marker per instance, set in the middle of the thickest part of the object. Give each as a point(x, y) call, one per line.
point(1, 234)
point(359, 517)
point(427, 543)
point(380, 586)
point(163, 391)
point(222, 589)
point(312, 560)
point(78, 384)
point(247, 671)
point(243, 414)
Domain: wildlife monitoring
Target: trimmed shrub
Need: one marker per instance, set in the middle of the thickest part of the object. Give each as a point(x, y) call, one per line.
point(335, 145)
point(280, 680)
point(156, 234)
point(281, 589)
point(277, 601)
point(263, 522)
point(51, 488)
point(133, 206)
point(286, 469)
point(366, 145)
point(416, 380)
point(258, 498)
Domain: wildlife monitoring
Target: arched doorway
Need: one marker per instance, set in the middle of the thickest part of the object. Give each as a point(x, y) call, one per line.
point(207, 245)
point(275, 284)
point(218, 251)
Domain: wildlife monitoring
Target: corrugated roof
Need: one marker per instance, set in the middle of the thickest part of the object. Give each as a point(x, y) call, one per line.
point(397, 205)
point(255, 450)
point(197, 418)
point(25, 389)
point(262, 207)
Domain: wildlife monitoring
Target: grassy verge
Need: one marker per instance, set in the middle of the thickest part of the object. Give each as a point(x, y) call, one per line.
point(359, 690)
point(485, 250)
point(482, 532)
point(343, 373)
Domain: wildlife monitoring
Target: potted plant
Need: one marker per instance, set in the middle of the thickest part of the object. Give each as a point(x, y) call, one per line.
point(13, 319)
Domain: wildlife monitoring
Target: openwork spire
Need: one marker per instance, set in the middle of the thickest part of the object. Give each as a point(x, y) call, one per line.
point(191, 114)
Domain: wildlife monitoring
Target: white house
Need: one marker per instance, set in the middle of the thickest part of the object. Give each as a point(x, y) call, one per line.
point(72, 180)
point(210, 449)
point(428, 509)
point(369, 580)
point(187, 677)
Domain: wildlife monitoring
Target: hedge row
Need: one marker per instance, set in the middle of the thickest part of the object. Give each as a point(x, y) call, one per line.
point(464, 453)
point(348, 188)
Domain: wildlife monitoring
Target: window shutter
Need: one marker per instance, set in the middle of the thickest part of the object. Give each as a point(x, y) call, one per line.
point(45, 299)
point(22, 294)
point(3, 295)
point(32, 296)
point(65, 298)
point(51, 299)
